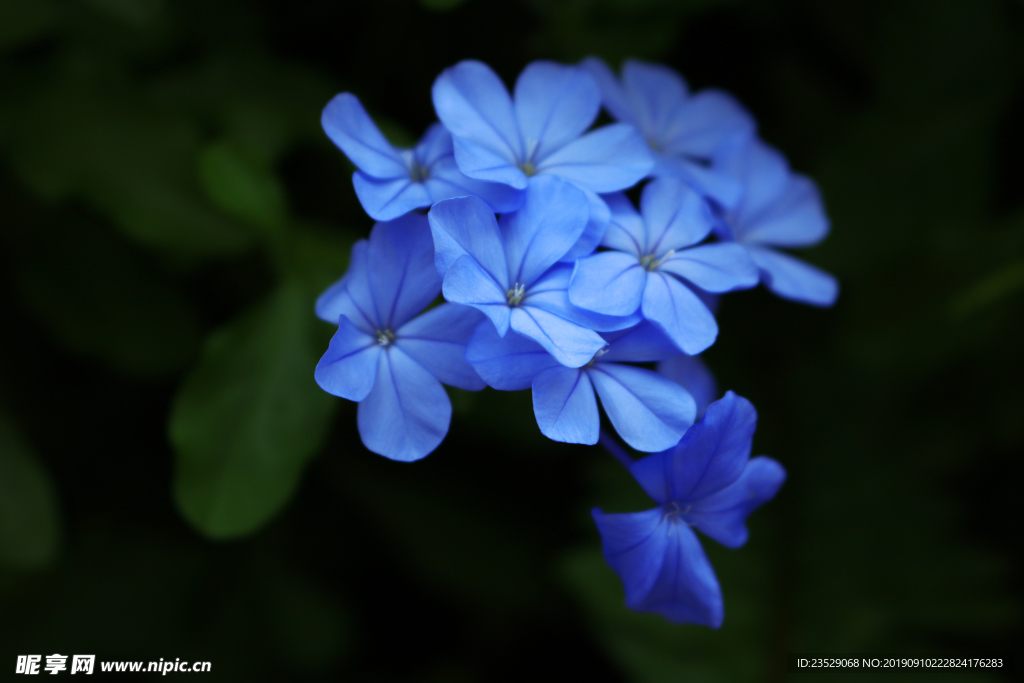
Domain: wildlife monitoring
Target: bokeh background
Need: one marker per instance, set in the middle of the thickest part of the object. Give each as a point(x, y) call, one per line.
point(174, 484)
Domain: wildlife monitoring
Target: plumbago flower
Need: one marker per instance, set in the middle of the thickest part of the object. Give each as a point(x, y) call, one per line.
point(510, 271)
point(683, 129)
point(392, 182)
point(707, 482)
point(381, 356)
point(691, 374)
point(540, 131)
point(648, 411)
point(651, 254)
point(777, 208)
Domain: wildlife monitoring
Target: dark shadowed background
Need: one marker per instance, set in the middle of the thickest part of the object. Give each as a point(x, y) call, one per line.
point(174, 485)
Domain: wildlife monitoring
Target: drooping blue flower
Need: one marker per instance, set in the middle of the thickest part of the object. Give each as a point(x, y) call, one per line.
point(392, 182)
point(777, 208)
point(683, 129)
point(708, 482)
point(382, 356)
point(511, 271)
point(648, 411)
point(539, 131)
point(651, 254)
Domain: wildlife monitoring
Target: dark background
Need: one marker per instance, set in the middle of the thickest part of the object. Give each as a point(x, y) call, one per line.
point(173, 483)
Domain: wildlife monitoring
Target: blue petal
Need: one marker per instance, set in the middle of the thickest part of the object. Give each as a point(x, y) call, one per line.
point(720, 267)
point(795, 219)
point(613, 95)
point(435, 145)
point(626, 230)
point(714, 183)
point(402, 274)
point(550, 221)
point(793, 279)
point(763, 173)
point(350, 128)
point(509, 363)
point(711, 455)
point(570, 344)
point(466, 226)
point(349, 366)
point(722, 515)
point(474, 105)
point(437, 341)
point(704, 122)
point(608, 159)
point(550, 293)
point(484, 164)
point(662, 566)
point(407, 413)
point(675, 216)
point(467, 283)
point(554, 105)
point(387, 199)
point(658, 96)
point(593, 233)
point(447, 181)
point(692, 374)
point(649, 412)
point(610, 282)
point(565, 407)
point(679, 313)
point(639, 344)
point(350, 296)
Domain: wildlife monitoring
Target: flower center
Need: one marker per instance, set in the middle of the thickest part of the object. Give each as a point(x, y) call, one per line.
point(516, 294)
point(384, 338)
point(674, 511)
point(650, 262)
point(418, 173)
point(600, 352)
point(527, 168)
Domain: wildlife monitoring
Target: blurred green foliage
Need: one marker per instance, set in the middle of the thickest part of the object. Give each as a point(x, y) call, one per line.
point(174, 484)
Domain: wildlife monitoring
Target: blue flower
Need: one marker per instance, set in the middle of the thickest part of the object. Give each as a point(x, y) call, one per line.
point(652, 254)
point(539, 131)
point(381, 356)
point(691, 374)
point(392, 182)
point(511, 272)
point(683, 129)
point(648, 411)
point(778, 208)
point(707, 482)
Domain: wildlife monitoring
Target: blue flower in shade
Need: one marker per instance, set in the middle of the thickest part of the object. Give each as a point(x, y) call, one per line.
point(539, 131)
point(691, 374)
point(511, 272)
point(707, 482)
point(652, 254)
point(683, 129)
point(391, 182)
point(648, 411)
point(778, 208)
point(381, 356)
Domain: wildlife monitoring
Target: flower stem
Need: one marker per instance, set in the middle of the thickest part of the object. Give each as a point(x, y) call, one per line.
point(615, 449)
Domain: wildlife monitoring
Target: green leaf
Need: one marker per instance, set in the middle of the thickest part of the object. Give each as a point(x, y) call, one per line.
point(100, 299)
point(441, 5)
point(22, 21)
point(243, 185)
point(249, 417)
point(81, 140)
point(29, 520)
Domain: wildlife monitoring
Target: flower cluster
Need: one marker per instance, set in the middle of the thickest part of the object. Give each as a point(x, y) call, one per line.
point(514, 208)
